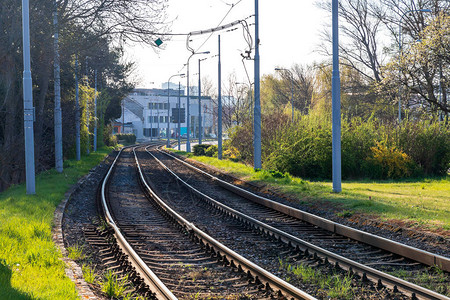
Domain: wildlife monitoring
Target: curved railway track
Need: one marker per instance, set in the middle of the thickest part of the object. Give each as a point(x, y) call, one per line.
point(301, 241)
point(172, 257)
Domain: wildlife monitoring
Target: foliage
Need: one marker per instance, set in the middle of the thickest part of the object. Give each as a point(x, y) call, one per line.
point(212, 151)
point(89, 274)
point(114, 286)
point(389, 162)
point(422, 70)
point(200, 149)
point(370, 148)
point(129, 138)
point(30, 263)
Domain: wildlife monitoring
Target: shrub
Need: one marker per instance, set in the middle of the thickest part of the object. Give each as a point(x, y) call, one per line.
point(111, 140)
point(128, 138)
point(200, 149)
point(427, 144)
point(369, 148)
point(232, 154)
point(390, 162)
point(211, 151)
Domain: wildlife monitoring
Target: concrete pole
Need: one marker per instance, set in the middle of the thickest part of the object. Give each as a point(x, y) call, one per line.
point(57, 86)
point(188, 123)
point(95, 112)
point(336, 103)
point(199, 105)
point(168, 115)
point(179, 116)
point(28, 109)
point(87, 108)
point(151, 121)
point(77, 112)
point(219, 107)
point(257, 110)
point(157, 120)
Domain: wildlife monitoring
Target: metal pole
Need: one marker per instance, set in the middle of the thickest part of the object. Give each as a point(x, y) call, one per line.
point(57, 87)
point(188, 123)
point(87, 108)
point(168, 114)
point(336, 103)
point(399, 71)
point(179, 117)
point(199, 105)
point(77, 111)
point(219, 108)
point(157, 120)
point(95, 112)
point(257, 109)
point(123, 116)
point(28, 109)
point(151, 121)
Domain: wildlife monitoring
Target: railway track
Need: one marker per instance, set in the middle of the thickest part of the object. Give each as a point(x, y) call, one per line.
point(171, 257)
point(302, 243)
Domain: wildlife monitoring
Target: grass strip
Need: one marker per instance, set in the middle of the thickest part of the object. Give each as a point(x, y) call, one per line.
point(421, 203)
point(30, 264)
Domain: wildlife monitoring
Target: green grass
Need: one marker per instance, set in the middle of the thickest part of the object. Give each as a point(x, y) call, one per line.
point(113, 286)
point(334, 285)
point(30, 265)
point(422, 202)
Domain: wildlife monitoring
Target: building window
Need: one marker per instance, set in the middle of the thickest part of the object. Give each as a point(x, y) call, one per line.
point(161, 119)
point(166, 106)
point(149, 119)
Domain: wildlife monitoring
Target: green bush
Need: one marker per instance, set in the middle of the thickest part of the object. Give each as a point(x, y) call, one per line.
point(390, 162)
point(369, 148)
point(212, 151)
point(199, 150)
point(111, 140)
point(128, 138)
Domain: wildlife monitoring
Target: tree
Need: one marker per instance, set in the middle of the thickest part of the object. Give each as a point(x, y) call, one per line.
point(423, 68)
point(96, 29)
point(360, 47)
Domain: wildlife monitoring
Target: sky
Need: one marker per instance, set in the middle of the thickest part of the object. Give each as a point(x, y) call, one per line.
point(289, 34)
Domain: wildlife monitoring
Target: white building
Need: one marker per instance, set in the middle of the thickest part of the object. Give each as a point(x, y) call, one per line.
point(145, 113)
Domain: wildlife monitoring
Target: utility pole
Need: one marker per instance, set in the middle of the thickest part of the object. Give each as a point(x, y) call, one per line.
point(87, 107)
point(28, 109)
point(179, 116)
point(336, 103)
point(95, 111)
point(219, 108)
point(151, 121)
point(57, 83)
point(77, 111)
point(257, 110)
point(199, 105)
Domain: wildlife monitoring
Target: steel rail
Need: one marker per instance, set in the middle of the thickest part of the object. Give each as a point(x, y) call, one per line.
point(263, 275)
point(346, 263)
point(422, 256)
point(156, 286)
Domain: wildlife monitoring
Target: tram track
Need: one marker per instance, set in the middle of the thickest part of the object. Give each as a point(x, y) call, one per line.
point(173, 257)
point(287, 228)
